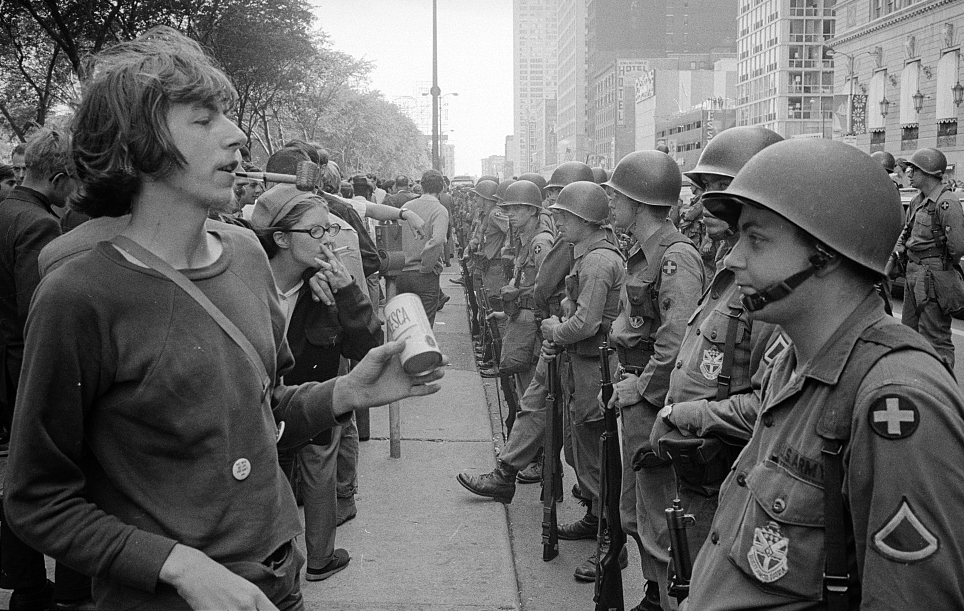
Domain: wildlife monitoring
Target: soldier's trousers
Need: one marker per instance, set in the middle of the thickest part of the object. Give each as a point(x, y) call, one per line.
point(922, 313)
point(645, 496)
point(586, 423)
point(529, 429)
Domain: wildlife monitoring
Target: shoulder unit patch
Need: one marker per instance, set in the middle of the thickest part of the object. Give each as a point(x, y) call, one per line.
point(893, 417)
point(904, 538)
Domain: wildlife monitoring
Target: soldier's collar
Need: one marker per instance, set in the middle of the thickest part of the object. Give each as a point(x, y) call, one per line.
point(831, 359)
point(651, 246)
point(591, 240)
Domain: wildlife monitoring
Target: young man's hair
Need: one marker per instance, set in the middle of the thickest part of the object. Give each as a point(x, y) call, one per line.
point(47, 153)
point(305, 148)
point(6, 172)
point(286, 160)
point(432, 182)
point(19, 149)
point(120, 131)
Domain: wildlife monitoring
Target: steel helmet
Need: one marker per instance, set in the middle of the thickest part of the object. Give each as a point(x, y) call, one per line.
point(585, 199)
point(600, 175)
point(536, 179)
point(494, 179)
point(831, 190)
point(569, 172)
point(523, 193)
point(929, 161)
point(502, 186)
point(662, 148)
point(885, 159)
point(648, 177)
point(485, 189)
point(729, 151)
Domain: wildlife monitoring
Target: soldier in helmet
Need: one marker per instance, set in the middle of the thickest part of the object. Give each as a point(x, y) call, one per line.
point(932, 243)
point(890, 164)
point(663, 283)
point(849, 492)
point(591, 304)
point(722, 357)
point(519, 460)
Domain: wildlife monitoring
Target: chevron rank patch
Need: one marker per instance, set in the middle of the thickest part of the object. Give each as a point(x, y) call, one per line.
point(775, 348)
point(904, 537)
point(893, 417)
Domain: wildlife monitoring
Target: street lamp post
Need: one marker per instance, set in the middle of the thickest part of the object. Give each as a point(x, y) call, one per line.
point(437, 125)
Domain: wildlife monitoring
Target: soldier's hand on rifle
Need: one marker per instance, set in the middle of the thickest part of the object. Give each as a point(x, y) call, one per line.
point(496, 315)
point(549, 324)
point(549, 350)
point(626, 392)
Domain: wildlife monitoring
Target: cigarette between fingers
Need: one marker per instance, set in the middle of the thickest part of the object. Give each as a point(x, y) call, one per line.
point(340, 249)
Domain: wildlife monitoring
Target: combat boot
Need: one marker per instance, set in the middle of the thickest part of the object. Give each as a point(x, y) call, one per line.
point(499, 484)
point(532, 473)
point(587, 570)
point(586, 528)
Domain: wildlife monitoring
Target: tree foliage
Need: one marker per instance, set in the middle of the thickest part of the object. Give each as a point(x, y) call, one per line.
point(291, 82)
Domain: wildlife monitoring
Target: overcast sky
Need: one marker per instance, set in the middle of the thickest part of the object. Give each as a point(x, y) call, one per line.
point(474, 60)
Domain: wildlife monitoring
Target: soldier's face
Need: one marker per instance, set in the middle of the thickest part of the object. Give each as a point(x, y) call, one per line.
point(622, 210)
point(519, 215)
point(552, 194)
point(770, 250)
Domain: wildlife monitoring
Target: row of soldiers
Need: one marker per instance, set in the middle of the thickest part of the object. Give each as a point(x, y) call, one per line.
point(822, 506)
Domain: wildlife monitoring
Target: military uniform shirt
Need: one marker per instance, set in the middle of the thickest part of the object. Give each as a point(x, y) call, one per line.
point(600, 272)
point(680, 286)
point(693, 384)
point(531, 250)
point(903, 485)
point(495, 226)
point(947, 213)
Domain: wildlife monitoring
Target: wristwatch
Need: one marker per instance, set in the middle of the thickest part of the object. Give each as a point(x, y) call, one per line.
point(666, 412)
point(401, 214)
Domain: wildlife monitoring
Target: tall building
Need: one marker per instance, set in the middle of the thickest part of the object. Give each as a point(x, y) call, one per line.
point(624, 38)
point(534, 35)
point(494, 165)
point(785, 70)
point(571, 69)
point(897, 76)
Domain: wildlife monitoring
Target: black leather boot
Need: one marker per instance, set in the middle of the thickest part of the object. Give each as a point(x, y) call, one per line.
point(499, 484)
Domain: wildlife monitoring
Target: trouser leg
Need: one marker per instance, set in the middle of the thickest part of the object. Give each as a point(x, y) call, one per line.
point(529, 429)
point(318, 473)
point(21, 566)
point(347, 474)
point(587, 425)
point(633, 437)
point(935, 326)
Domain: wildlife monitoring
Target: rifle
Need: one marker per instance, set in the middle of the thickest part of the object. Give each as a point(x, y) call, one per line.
point(551, 469)
point(469, 288)
point(681, 566)
point(609, 575)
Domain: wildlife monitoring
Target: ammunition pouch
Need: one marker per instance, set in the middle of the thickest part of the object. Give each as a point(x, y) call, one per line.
point(701, 463)
point(948, 289)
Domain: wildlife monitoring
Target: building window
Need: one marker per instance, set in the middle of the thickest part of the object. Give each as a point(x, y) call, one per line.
point(878, 139)
point(908, 138)
point(947, 133)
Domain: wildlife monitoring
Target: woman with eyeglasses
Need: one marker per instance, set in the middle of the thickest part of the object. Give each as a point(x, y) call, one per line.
point(297, 234)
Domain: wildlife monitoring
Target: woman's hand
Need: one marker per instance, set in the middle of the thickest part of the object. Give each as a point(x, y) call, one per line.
point(333, 269)
point(379, 379)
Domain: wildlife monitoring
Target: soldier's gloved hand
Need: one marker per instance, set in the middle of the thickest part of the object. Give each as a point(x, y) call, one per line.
point(626, 391)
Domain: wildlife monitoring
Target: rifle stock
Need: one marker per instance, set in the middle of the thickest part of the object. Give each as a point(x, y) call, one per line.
point(681, 565)
point(609, 575)
point(551, 473)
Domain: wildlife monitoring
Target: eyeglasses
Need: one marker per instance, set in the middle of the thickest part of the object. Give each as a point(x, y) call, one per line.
point(316, 231)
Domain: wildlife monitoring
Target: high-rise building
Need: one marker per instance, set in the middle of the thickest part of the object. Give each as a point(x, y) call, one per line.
point(418, 107)
point(494, 165)
point(624, 38)
point(897, 80)
point(534, 35)
point(571, 70)
point(785, 70)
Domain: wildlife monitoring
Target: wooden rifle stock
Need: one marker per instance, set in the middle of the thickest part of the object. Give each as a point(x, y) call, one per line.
point(551, 472)
point(681, 567)
point(609, 575)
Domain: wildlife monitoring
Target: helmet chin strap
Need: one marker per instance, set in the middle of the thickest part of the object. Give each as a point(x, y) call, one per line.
point(778, 291)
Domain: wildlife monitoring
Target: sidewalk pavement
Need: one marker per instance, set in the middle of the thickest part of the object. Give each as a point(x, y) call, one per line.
point(421, 541)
